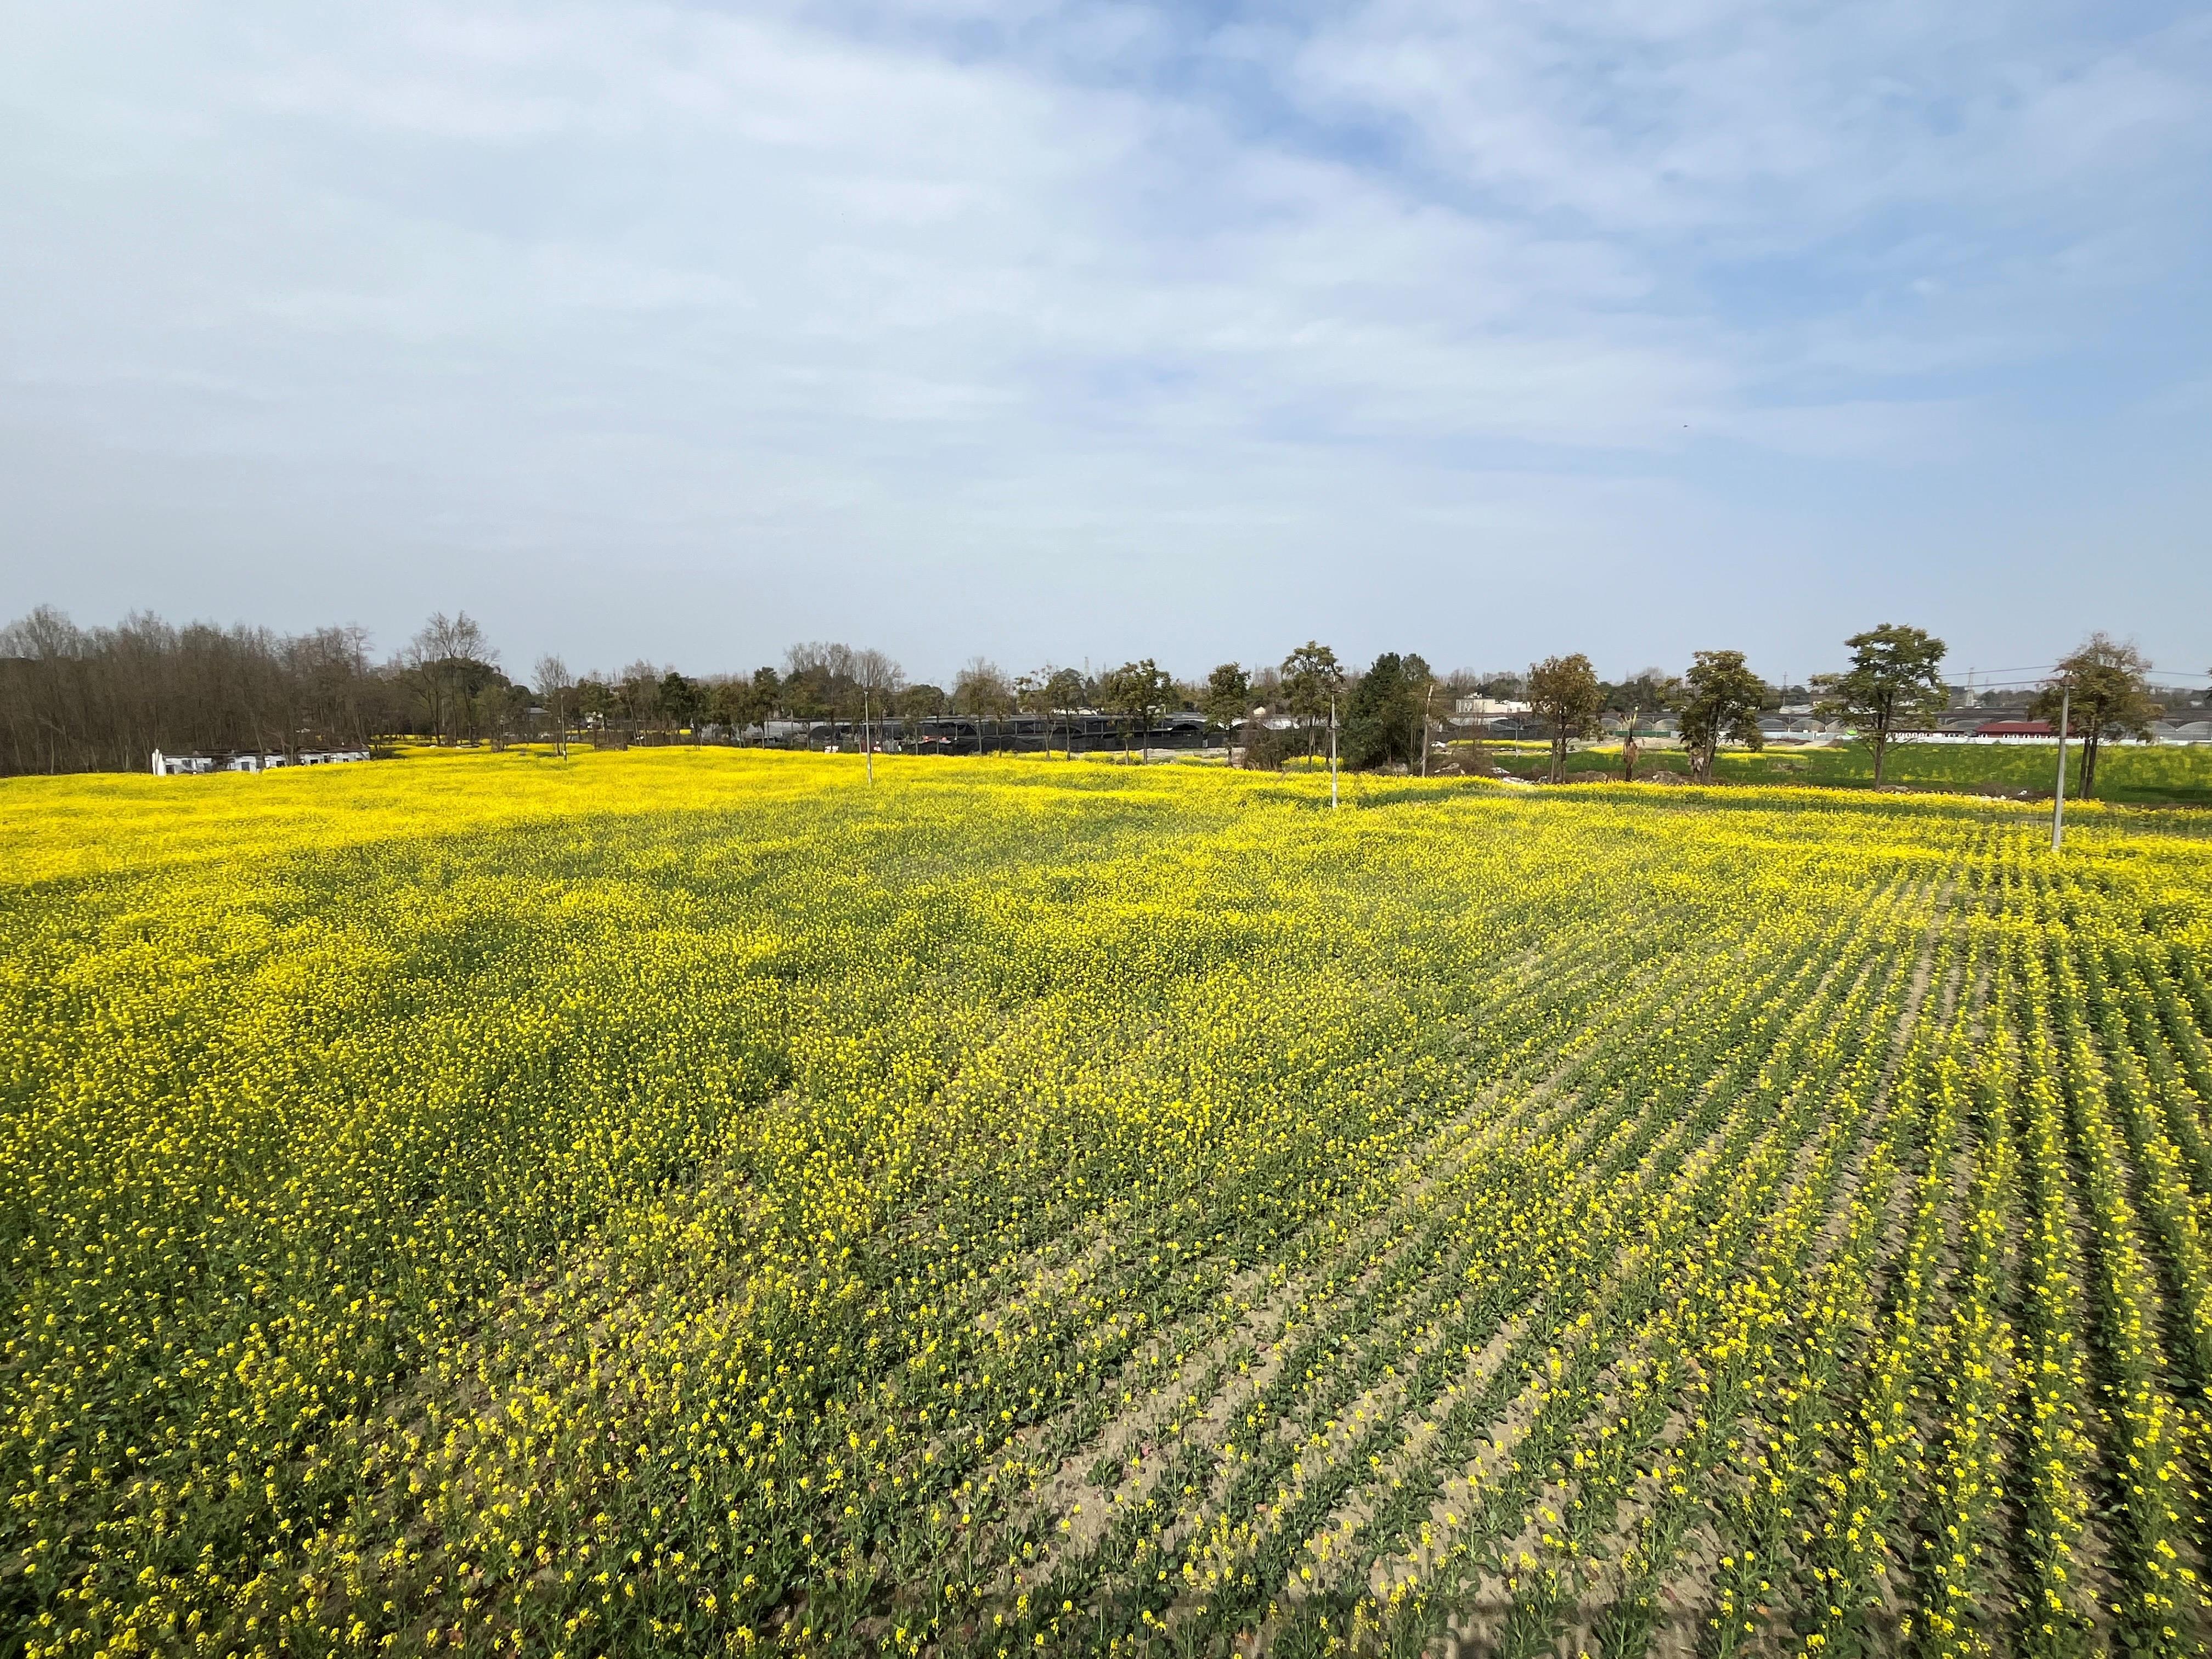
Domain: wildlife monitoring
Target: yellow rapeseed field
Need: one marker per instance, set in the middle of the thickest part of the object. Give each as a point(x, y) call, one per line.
point(698, 1202)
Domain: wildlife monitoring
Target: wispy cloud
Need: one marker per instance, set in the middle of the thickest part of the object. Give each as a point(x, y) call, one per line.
point(959, 299)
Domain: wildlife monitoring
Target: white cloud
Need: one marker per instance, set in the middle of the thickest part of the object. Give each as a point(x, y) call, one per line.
point(942, 290)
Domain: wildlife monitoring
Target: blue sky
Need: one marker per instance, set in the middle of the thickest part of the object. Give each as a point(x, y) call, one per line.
point(1069, 331)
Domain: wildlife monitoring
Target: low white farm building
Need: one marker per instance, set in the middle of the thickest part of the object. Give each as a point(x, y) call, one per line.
point(193, 765)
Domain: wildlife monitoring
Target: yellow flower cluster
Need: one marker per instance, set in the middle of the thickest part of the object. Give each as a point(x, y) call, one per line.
point(697, 1200)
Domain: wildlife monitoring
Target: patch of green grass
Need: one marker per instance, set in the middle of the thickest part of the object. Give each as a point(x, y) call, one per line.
point(2140, 775)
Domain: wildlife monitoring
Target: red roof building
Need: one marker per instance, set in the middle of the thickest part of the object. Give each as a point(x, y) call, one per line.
point(2015, 729)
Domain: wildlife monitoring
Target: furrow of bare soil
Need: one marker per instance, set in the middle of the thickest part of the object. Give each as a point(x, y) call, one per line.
point(1199, 1394)
point(1644, 1570)
point(1590, 1541)
point(1184, 1522)
point(1352, 1517)
point(1191, 1416)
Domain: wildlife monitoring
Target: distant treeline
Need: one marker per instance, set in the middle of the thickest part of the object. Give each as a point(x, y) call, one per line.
point(102, 699)
point(75, 699)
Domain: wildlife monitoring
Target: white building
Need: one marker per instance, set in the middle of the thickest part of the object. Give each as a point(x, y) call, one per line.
point(186, 766)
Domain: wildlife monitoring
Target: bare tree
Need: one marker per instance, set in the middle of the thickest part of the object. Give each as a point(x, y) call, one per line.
point(878, 679)
point(555, 686)
point(74, 699)
point(446, 666)
point(983, 692)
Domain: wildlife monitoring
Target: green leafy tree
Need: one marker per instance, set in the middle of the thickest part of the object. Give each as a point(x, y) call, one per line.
point(805, 694)
point(1227, 701)
point(682, 701)
point(1894, 683)
point(595, 701)
point(742, 703)
point(499, 708)
point(1138, 692)
point(924, 701)
point(1416, 707)
point(1563, 692)
point(1311, 682)
point(761, 697)
point(1033, 695)
point(1721, 700)
point(2104, 688)
point(726, 703)
point(1382, 716)
point(1066, 693)
point(982, 690)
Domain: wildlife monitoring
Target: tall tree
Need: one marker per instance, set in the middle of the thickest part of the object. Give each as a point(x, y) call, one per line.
point(729, 703)
point(2104, 688)
point(921, 702)
point(1563, 692)
point(1382, 714)
point(1227, 702)
point(596, 701)
point(638, 691)
point(982, 690)
point(1895, 682)
point(1033, 696)
point(878, 679)
point(804, 694)
point(445, 665)
point(1066, 694)
point(767, 696)
point(499, 708)
point(1137, 691)
point(1647, 692)
point(555, 686)
point(682, 701)
point(1721, 700)
point(1312, 680)
point(1422, 686)
point(819, 682)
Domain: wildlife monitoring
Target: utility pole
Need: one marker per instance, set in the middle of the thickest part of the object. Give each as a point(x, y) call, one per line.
point(1331, 751)
point(868, 734)
point(2058, 798)
point(1427, 698)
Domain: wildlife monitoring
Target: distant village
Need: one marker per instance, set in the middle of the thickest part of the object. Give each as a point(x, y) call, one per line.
point(1503, 719)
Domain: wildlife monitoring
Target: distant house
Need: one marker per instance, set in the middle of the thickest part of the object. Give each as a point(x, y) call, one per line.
point(193, 765)
point(2014, 729)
